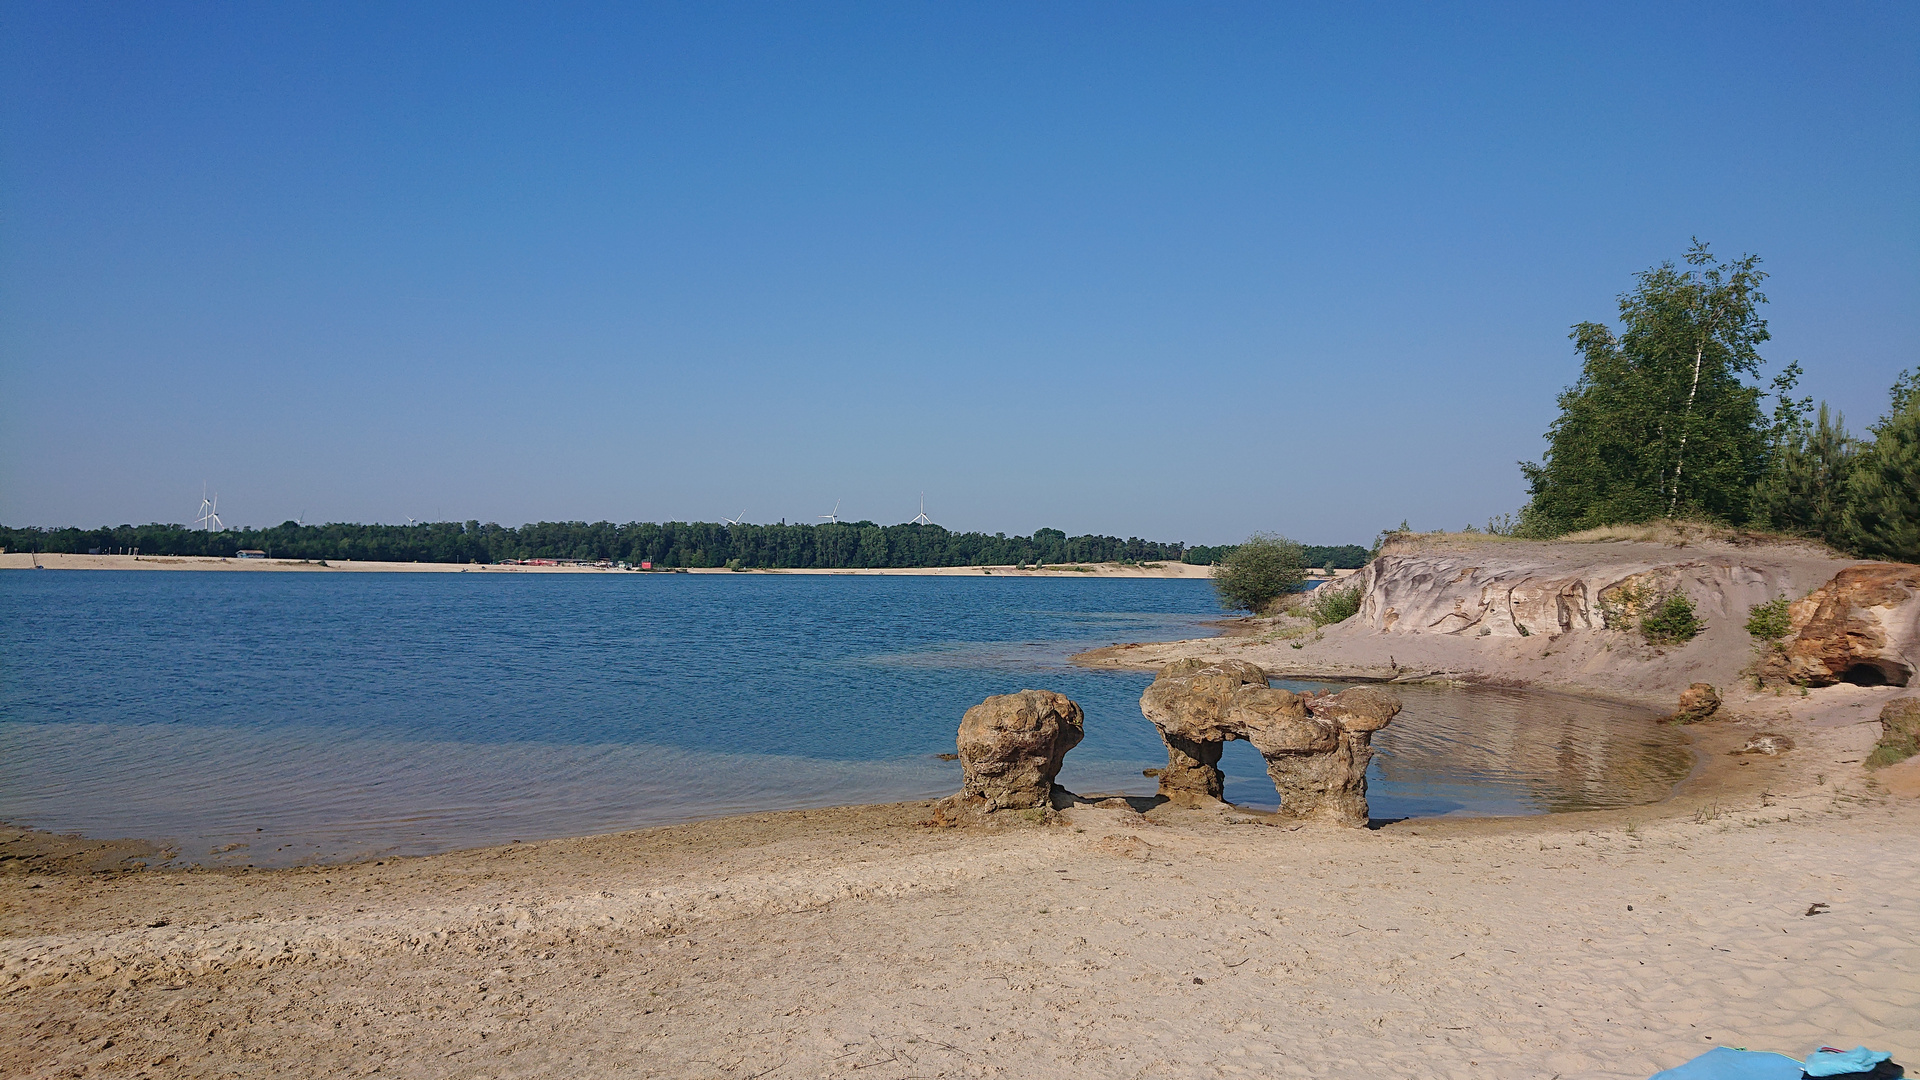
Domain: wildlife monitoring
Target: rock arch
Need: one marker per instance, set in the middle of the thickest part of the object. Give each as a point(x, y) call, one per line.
point(1316, 746)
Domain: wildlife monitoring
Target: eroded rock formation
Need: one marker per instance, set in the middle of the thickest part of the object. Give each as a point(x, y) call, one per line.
point(1527, 590)
point(1861, 627)
point(1900, 719)
point(1011, 746)
point(1188, 704)
point(1316, 747)
point(1899, 733)
point(1697, 703)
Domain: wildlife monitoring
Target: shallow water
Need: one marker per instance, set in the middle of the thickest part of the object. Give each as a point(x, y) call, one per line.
point(310, 716)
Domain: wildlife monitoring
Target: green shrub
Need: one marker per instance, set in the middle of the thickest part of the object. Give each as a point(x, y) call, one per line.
point(1891, 752)
point(1671, 621)
point(1769, 622)
point(1331, 605)
point(1259, 572)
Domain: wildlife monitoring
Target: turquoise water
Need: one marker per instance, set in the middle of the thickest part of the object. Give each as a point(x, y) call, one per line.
point(315, 716)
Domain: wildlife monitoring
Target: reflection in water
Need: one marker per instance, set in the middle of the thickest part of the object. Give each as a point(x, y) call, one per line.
point(1503, 751)
point(1467, 752)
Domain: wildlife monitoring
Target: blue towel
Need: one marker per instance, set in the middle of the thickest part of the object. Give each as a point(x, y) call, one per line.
point(1841, 1062)
point(1726, 1063)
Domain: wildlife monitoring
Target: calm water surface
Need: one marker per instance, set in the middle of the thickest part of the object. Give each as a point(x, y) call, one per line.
point(309, 716)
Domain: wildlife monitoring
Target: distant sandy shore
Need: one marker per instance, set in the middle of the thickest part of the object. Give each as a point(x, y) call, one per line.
point(25, 560)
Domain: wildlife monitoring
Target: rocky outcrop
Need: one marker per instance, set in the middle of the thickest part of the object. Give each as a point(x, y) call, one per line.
point(1316, 747)
point(1563, 615)
point(1011, 747)
point(1529, 590)
point(1188, 705)
point(1861, 627)
point(1899, 733)
point(1697, 703)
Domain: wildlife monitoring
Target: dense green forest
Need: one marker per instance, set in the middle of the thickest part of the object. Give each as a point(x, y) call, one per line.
point(1667, 421)
point(692, 544)
point(1318, 556)
point(857, 544)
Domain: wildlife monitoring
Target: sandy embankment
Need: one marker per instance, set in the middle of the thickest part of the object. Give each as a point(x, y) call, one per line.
point(24, 560)
point(1772, 903)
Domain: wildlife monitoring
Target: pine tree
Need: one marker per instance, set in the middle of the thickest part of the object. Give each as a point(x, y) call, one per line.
point(1806, 489)
point(1882, 516)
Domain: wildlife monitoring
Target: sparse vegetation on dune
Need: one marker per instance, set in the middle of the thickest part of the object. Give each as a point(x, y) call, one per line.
point(1333, 605)
point(1679, 532)
point(1671, 621)
point(1769, 622)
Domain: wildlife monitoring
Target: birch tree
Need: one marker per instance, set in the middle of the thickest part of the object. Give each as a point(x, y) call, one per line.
point(1661, 422)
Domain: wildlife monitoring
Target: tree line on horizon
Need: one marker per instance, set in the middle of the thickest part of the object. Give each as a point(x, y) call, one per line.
point(836, 546)
point(1667, 421)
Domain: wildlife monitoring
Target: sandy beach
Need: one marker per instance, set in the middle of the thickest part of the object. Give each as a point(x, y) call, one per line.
point(862, 942)
point(16, 560)
point(1772, 902)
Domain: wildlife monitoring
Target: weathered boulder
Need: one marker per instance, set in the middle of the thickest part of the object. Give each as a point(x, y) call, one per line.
point(1011, 747)
point(1900, 719)
point(1190, 698)
point(1697, 703)
point(1316, 746)
point(1899, 733)
point(1862, 627)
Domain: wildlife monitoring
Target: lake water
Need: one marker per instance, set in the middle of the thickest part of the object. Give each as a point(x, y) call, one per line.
point(313, 716)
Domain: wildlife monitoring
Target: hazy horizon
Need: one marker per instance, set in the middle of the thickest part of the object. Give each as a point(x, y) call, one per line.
point(1163, 272)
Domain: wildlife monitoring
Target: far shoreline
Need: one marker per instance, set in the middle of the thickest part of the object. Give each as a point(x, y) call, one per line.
point(21, 560)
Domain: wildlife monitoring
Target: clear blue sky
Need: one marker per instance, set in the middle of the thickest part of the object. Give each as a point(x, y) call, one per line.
point(1177, 271)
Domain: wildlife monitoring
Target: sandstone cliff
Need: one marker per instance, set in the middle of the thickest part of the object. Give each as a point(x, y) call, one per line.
point(1565, 615)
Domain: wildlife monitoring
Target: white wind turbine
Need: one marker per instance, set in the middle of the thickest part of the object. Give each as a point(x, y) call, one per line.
point(737, 520)
point(832, 518)
point(921, 518)
point(209, 512)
